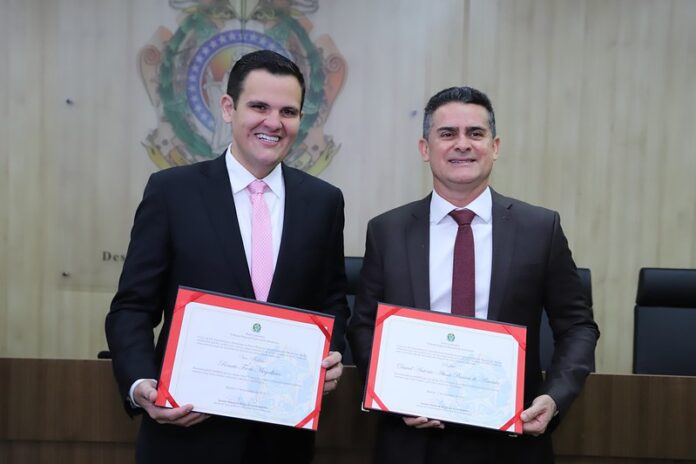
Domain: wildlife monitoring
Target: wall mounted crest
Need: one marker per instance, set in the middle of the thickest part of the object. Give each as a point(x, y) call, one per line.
point(185, 74)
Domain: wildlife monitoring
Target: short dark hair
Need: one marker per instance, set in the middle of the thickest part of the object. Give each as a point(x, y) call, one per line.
point(266, 60)
point(461, 95)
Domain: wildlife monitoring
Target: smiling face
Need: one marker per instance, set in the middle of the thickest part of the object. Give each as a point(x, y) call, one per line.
point(265, 120)
point(461, 151)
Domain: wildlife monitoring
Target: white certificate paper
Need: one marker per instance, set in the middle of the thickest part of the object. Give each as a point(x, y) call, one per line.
point(445, 367)
point(245, 359)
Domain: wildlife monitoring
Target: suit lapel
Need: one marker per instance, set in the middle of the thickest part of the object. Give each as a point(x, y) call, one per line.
point(294, 220)
point(418, 249)
point(219, 203)
point(503, 244)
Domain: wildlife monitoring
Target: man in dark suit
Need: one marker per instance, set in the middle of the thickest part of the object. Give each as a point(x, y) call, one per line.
point(521, 264)
point(194, 228)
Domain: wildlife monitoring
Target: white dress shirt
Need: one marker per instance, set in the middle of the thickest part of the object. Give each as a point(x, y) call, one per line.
point(443, 232)
point(274, 196)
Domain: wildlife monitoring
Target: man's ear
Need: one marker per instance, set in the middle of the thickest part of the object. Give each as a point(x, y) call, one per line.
point(496, 147)
point(227, 108)
point(424, 149)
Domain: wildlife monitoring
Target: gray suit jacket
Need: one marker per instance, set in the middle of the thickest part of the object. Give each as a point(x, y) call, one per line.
point(532, 270)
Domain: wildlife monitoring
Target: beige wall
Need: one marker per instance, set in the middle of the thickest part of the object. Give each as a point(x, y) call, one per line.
point(595, 103)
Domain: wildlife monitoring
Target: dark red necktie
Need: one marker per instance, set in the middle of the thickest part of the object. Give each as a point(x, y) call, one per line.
point(463, 280)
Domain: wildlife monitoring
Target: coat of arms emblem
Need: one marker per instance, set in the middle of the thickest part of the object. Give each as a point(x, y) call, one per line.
point(185, 74)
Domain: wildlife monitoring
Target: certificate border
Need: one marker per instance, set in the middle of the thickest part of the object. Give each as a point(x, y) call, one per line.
point(372, 402)
point(186, 295)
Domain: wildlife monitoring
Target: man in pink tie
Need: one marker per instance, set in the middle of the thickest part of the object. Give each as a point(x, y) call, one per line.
point(243, 224)
point(465, 249)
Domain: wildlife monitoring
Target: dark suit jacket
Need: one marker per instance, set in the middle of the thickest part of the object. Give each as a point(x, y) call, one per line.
point(186, 233)
point(532, 269)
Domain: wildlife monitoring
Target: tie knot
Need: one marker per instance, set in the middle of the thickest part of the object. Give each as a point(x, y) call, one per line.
point(462, 216)
point(257, 187)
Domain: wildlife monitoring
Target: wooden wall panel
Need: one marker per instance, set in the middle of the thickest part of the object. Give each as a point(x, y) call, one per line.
point(24, 244)
point(396, 53)
point(674, 152)
point(4, 170)
point(595, 104)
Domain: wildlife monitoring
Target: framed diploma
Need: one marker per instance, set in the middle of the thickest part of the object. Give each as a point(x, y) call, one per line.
point(449, 368)
point(241, 358)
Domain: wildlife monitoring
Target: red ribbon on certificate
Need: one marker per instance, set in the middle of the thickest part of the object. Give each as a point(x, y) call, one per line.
point(169, 398)
point(512, 420)
point(321, 326)
point(389, 313)
point(519, 336)
point(306, 420)
point(372, 396)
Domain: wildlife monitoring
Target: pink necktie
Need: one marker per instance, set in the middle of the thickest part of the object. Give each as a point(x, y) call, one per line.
point(261, 241)
point(463, 271)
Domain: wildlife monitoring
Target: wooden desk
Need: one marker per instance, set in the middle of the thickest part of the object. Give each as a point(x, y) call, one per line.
point(631, 416)
point(57, 411)
point(62, 411)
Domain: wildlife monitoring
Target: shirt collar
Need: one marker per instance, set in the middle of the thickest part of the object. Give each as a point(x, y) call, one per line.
point(482, 206)
point(240, 178)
